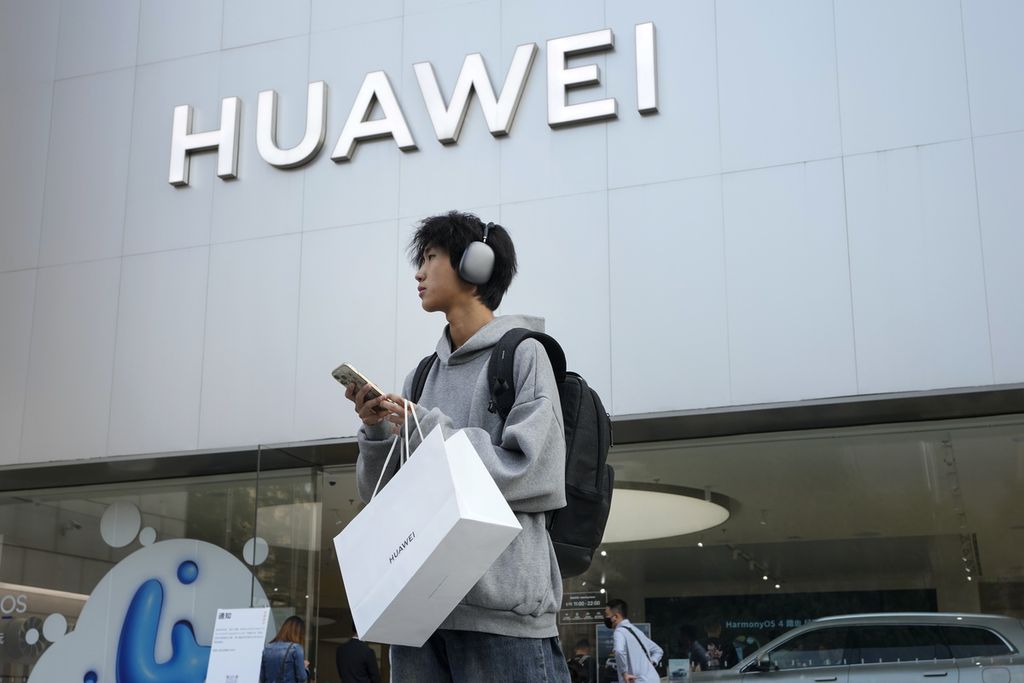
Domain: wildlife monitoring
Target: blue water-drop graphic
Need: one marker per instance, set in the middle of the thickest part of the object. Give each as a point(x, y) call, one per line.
point(188, 571)
point(90, 677)
point(135, 651)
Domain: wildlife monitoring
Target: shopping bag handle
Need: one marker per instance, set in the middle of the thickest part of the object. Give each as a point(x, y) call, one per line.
point(407, 405)
point(403, 453)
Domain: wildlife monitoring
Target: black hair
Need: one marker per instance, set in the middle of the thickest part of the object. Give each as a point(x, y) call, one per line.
point(620, 606)
point(454, 232)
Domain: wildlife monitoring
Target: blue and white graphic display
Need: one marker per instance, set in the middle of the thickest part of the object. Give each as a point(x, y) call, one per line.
point(151, 618)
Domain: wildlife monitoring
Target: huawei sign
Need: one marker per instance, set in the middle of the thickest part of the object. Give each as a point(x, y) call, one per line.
point(447, 118)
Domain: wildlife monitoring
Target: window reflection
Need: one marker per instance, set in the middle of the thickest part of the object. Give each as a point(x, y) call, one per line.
point(918, 517)
point(825, 647)
point(63, 550)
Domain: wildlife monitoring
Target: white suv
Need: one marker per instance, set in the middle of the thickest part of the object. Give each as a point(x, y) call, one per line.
point(879, 648)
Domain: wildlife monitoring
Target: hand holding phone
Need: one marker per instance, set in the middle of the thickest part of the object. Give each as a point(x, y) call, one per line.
point(347, 375)
point(366, 395)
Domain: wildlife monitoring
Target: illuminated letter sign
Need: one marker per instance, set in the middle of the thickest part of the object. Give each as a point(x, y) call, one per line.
point(560, 79)
point(447, 119)
point(376, 88)
point(224, 140)
point(312, 141)
point(499, 111)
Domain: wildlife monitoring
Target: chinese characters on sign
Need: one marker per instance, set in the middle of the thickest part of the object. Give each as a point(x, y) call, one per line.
point(237, 648)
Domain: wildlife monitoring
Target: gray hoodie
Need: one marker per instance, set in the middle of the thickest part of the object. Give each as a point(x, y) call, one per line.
point(520, 594)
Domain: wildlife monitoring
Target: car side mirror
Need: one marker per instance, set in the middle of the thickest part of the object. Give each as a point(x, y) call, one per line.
point(764, 664)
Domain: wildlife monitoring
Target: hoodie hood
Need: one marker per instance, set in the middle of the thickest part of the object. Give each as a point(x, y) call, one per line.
point(485, 338)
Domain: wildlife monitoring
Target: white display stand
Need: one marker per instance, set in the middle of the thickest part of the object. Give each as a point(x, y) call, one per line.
point(237, 649)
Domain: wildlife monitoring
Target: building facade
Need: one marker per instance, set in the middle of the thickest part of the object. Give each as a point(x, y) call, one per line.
point(781, 239)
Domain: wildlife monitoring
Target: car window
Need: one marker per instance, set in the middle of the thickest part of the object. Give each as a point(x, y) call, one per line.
point(968, 641)
point(897, 643)
point(821, 647)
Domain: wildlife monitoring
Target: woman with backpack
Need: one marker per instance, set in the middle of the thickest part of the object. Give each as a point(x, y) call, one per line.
point(283, 658)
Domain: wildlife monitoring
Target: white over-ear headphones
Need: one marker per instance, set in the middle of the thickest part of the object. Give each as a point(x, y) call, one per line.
point(477, 264)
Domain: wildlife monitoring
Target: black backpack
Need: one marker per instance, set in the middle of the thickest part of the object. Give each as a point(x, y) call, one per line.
point(576, 530)
point(579, 669)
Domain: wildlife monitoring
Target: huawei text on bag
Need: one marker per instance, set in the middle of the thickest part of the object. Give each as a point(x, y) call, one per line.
point(403, 546)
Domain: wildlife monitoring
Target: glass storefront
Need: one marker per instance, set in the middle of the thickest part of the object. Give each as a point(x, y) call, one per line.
point(914, 517)
point(920, 517)
point(111, 545)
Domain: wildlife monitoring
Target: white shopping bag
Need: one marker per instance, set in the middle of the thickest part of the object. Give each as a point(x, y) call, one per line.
point(423, 541)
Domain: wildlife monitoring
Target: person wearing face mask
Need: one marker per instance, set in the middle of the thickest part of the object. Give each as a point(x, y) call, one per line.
point(636, 655)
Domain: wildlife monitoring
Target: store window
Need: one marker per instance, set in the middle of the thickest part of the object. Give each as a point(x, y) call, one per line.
point(341, 503)
point(821, 648)
point(923, 517)
point(80, 566)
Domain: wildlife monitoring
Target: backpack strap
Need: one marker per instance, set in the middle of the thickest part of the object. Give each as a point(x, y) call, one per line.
point(419, 379)
point(284, 662)
point(642, 647)
point(500, 368)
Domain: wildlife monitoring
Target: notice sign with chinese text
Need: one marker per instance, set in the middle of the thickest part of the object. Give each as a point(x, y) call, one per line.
point(237, 649)
point(582, 608)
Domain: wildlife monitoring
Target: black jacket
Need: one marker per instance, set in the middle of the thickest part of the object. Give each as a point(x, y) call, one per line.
point(356, 663)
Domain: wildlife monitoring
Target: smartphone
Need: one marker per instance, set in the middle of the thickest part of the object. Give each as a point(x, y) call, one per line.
point(347, 374)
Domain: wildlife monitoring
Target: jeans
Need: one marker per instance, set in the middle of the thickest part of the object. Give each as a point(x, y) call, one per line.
point(470, 657)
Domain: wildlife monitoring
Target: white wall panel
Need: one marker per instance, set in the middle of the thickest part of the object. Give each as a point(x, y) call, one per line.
point(916, 268)
point(158, 215)
point(669, 344)
point(17, 293)
point(258, 21)
point(332, 14)
point(537, 161)
point(87, 168)
point(169, 30)
point(441, 177)
point(264, 200)
point(28, 42)
point(777, 82)
point(562, 247)
point(995, 64)
point(902, 80)
point(67, 403)
point(346, 314)
point(24, 136)
point(251, 328)
point(767, 282)
point(1000, 176)
point(159, 361)
point(365, 189)
point(97, 35)
point(681, 140)
point(790, 329)
point(419, 6)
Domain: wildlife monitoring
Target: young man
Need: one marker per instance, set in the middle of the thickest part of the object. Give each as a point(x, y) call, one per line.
point(635, 653)
point(505, 628)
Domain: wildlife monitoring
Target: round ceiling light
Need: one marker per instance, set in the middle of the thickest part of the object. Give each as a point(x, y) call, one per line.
point(641, 512)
